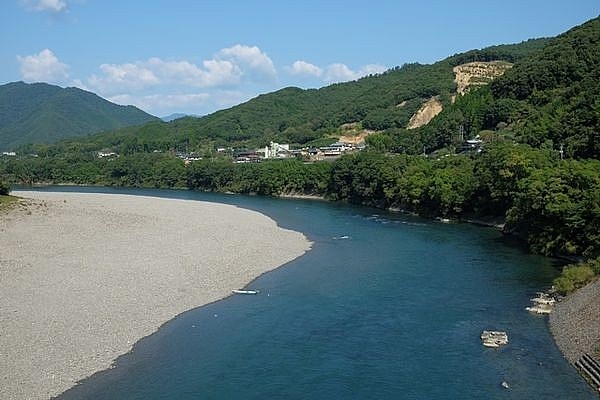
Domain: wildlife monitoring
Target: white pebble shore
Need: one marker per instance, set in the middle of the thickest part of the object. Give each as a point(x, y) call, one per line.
point(83, 277)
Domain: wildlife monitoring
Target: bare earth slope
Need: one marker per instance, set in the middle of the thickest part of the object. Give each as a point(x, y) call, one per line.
point(466, 76)
point(426, 113)
point(477, 73)
point(85, 276)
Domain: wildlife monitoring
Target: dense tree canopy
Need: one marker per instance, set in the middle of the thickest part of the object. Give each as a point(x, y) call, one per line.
point(4, 189)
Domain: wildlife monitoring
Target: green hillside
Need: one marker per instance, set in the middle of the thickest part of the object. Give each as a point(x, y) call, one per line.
point(383, 102)
point(553, 98)
point(548, 100)
point(42, 113)
point(537, 167)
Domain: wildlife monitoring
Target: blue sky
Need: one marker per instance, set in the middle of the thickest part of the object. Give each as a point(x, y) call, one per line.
point(199, 56)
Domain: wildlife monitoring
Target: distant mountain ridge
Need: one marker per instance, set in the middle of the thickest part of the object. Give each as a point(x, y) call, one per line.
point(383, 103)
point(174, 116)
point(302, 117)
point(44, 113)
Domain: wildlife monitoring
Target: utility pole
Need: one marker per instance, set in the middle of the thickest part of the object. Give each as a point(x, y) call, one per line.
point(561, 151)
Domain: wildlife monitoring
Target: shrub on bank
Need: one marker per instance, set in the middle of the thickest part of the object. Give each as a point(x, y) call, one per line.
point(578, 275)
point(4, 189)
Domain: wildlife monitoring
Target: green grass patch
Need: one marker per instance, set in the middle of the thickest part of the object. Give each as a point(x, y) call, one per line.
point(7, 202)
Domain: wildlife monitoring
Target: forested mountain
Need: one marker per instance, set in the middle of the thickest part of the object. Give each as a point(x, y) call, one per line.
point(537, 167)
point(311, 117)
point(552, 98)
point(43, 113)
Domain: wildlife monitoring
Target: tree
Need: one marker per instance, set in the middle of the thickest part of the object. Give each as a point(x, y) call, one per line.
point(379, 142)
point(557, 209)
point(451, 186)
point(4, 189)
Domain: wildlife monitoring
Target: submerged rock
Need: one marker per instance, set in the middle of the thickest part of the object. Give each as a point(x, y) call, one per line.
point(542, 304)
point(494, 338)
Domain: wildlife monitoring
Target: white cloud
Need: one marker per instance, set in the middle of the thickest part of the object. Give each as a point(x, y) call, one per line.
point(43, 67)
point(233, 75)
point(141, 75)
point(339, 73)
point(372, 69)
point(220, 72)
point(231, 66)
point(250, 59)
point(150, 84)
point(342, 73)
point(303, 68)
point(54, 6)
point(162, 104)
point(215, 72)
point(123, 76)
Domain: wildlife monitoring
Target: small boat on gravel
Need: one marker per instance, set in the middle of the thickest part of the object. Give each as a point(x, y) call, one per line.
point(242, 291)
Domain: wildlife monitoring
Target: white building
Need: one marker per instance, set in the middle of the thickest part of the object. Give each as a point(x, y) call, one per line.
point(276, 150)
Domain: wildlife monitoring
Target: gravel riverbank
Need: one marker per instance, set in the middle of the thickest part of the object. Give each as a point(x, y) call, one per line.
point(85, 276)
point(575, 322)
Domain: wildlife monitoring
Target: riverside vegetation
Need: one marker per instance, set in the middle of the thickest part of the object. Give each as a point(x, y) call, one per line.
point(5, 199)
point(539, 168)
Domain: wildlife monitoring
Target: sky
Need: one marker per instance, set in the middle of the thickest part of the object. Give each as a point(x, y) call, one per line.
point(200, 56)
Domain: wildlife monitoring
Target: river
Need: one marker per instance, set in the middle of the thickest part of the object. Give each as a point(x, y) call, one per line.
point(383, 306)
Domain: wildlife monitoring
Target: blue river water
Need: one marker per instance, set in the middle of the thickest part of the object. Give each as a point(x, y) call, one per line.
point(383, 306)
